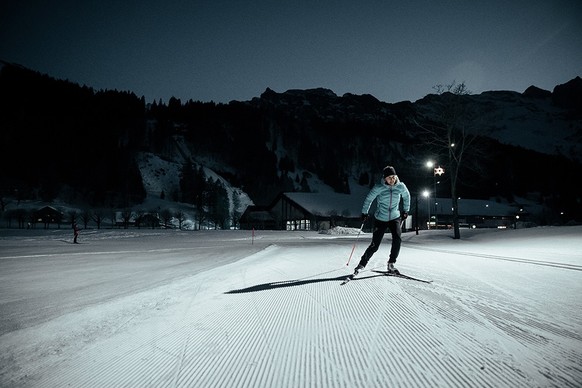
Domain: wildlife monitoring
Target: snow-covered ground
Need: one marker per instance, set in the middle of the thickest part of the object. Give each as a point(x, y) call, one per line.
point(170, 308)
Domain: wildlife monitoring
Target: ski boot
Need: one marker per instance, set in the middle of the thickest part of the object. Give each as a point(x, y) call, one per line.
point(391, 268)
point(356, 272)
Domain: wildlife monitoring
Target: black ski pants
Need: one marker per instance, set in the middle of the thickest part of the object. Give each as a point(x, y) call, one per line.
point(380, 228)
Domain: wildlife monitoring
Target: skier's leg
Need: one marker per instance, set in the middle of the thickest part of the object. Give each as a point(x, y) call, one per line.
point(396, 231)
point(377, 235)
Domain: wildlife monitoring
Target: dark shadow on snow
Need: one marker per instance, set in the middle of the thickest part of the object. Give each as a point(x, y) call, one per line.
point(294, 283)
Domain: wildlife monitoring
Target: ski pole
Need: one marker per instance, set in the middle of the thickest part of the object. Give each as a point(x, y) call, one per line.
point(354, 246)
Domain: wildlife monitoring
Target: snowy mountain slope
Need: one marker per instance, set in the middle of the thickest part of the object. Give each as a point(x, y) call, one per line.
point(158, 175)
point(531, 122)
point(164, 175)
point(161, 175)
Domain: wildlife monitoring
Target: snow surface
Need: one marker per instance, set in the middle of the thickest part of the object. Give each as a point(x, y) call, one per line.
point(169, 308)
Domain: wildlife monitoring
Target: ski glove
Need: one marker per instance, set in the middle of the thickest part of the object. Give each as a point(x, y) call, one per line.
point(403, 215)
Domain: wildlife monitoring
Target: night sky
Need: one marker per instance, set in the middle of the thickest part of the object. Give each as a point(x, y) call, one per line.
point(220, 50)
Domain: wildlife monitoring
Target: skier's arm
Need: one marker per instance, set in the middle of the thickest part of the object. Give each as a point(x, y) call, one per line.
point(405, 198)
point(369, 199)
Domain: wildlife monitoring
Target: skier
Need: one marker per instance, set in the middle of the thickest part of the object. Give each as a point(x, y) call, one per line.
point(387, 216)
point(76, 232)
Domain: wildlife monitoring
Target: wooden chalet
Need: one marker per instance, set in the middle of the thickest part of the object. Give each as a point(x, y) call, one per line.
point(305, 211)
point(477, 213)
point(258, 218)
point(48, 215)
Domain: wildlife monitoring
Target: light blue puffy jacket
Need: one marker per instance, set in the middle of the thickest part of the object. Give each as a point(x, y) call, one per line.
point(387, 207)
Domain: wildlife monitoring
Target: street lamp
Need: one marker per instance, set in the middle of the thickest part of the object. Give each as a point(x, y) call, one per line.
point(436, 170)
point(416, 213)
point(426, 194)
point(431, 166)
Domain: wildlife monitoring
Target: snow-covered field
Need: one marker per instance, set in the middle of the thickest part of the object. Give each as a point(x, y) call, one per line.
point(139, 308)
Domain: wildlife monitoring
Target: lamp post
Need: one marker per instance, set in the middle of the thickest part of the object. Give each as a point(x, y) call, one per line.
point(431, 165)
point(416, 213)
point(515, 222)
point(436, 170)
point(426, 194)
point(415, 218)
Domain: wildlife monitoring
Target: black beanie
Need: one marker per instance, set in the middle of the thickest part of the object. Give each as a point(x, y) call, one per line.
point(388, 170)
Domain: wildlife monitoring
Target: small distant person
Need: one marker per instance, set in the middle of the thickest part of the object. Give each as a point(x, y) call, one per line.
point(75, 233)
point(388, 216)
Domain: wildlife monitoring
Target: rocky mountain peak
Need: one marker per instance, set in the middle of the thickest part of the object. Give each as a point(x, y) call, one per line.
point(535, 92)
point(569, 95)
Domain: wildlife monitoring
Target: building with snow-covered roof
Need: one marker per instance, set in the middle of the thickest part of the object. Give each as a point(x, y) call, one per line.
point(305, 211)
point(477, 213)
point(316, 211)
point(48, 215)
point(257, 217)
point(319, 211)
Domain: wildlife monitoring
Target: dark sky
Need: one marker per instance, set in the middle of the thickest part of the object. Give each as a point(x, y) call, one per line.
point(223, 50)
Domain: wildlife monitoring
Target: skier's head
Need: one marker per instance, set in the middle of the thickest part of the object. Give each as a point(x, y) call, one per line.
point(388, 170)
point(390, 177)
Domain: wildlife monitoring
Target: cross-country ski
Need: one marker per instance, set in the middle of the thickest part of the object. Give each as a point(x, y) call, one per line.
point(397, 274)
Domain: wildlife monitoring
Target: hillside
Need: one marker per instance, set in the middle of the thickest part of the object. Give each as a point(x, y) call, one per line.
point(531, 121)
point(111, 149)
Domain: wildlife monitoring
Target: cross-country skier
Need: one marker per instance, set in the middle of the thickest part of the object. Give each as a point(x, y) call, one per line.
point(75, 233)
point(388, 193)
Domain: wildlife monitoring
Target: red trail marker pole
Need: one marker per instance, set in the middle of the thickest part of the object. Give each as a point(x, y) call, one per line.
point(354, 246)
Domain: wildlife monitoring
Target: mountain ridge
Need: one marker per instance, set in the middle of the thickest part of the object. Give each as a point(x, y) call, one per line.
point(275, 142)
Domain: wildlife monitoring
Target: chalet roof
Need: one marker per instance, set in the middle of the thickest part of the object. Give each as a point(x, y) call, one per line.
point(328, 204)
point(258, 215)
point(48, 209)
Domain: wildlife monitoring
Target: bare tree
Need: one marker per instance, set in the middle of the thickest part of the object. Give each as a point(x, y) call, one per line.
point(181, 217)
point(126, 215)
point(448, 132)
point(73, 214)
point(139, 217)
point(113, 217)
point(85, 217)
point(97, 215)
point(166, 216)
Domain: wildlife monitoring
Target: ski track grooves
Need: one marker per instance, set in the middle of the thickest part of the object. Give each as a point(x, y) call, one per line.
point(513, 333)
point(253, 338)
point(505, 258)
